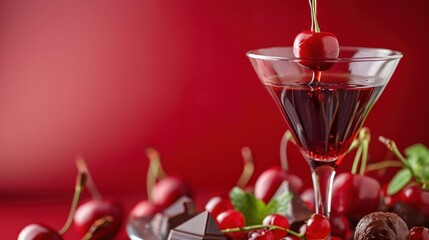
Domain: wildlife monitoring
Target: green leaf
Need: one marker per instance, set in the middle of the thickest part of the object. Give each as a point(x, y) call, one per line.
point(399, 181)
point(419, 150)
point(280, 203)
point(253, 209)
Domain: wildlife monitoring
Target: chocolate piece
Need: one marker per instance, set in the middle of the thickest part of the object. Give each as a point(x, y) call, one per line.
point(297, 211)
point(178, 213)
point(381, 226)
point(200, 227)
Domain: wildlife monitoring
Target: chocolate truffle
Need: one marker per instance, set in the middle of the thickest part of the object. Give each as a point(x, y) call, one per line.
point(178, 213)
point(297, 211)
point(200, 227)
point(381, 226)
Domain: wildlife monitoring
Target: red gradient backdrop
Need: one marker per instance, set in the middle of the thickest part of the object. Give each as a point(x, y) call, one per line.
point(108, 79)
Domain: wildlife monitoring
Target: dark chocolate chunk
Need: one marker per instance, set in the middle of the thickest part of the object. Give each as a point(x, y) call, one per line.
point(297, 211)
point(178, 213)
point(381, 226)
point(202, 226)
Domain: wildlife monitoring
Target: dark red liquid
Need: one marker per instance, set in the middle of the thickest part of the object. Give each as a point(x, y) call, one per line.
point(326, 117)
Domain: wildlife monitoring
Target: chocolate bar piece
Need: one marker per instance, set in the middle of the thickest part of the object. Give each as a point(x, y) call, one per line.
point(297, 211)
point(178, 213)
point(200, 227)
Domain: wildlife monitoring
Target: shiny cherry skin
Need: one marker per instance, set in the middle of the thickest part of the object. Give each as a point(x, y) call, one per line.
point(355, 196)
point(270, 180)
point(279, 221)
point(314, 48)
point(263, 234)
point(216, 205)
point(416, 197)
point(145, 208)
point(418, 233)
point(231, 219)
point(94, 209)
point(390, 200)
point(340, 226)
point(317, 227)
point(169, 189)
point(38, 232)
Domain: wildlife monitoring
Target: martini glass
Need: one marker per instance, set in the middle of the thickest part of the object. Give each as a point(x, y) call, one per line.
point(325, 109)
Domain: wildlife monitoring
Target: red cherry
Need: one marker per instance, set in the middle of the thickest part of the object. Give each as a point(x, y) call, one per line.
point(145, 208)
point(315, 48)
point(216, 205)
point(231, 219)
point(263, 234)
point(279, 221)
point(270, 180)
point(350, 189)
point(38, 232)
point(390, 200)
point(416, 197)
point(95, 209)
point(418, 233)
point(169, 189)
point(318, 227)
point(340, 226)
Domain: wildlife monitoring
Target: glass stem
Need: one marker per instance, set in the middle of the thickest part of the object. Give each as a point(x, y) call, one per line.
point(323, 178)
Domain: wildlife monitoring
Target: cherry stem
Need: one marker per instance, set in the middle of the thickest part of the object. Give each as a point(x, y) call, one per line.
point(314, 23)
point(383, 165)
point(256, 227)
point(391, 145)
point(357, 159)
point(248, 167)
point(361, 156)
point(90, 185)
point(81, 180)
point(155, 171)
point(287, 136)
point(99, 224)
point(365, 137)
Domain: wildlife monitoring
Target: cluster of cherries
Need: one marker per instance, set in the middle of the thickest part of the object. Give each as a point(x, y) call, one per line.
point(97, 218)
point(274, 226)
point(101, 218)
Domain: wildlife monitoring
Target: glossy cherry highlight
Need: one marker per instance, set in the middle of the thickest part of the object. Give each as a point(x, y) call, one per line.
point(317, 227)
point(279, 221)
point(231, 219)
point(38, 232)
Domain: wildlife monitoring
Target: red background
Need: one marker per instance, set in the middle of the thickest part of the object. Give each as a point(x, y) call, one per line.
point(109, 79)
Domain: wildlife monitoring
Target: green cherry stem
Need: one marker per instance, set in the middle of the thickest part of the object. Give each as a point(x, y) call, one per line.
point(391, 145)
point(256, 227)
point(80, 184)
point(357, 159)
point(155, 171)
point(286, 138)
point(90, 185)
point(314, 23)
point(384, 164)
point(248, 167)
point(365, 135)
